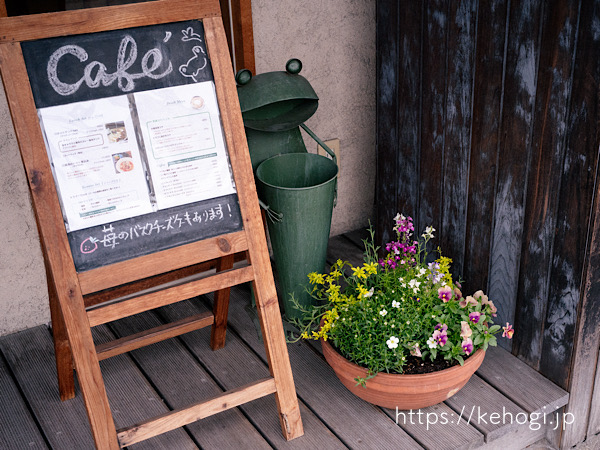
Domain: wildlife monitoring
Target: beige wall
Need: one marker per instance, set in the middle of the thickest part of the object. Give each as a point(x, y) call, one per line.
point(334, 39)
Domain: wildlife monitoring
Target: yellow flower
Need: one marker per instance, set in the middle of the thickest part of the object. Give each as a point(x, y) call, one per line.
point(361, 290)
point(371, 268)
point(316, 278)
point(359, 272)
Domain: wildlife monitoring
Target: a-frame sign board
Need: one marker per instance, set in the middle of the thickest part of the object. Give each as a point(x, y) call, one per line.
point(169, 236)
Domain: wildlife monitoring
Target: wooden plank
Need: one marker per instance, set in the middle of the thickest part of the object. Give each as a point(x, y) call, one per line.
point(548, 151)
point(406, 158)
point(533, 392)
point(341, 248)
point(243, 37)
point(176, 374)
point(218, 331)
point(132, 398)
point(145, 283)
point(356, 422)
point(175, 258)
point(388, 101)
point(153, 335)
point(487, 111)
point(264, 286)
point(579, 324)
point(478, 400)
point(25, 28)
point(18, 428)
point(176, 419)
point(438, 426)
point(459, 82)
point(519, 90)
point(594, 421)
point(167, 296)
point(225, 366)
point(65, 424)
point(433, 115)
point(575, 206)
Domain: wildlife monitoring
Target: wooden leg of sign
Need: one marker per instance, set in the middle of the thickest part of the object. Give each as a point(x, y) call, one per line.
point(221, 307)
point(86, 363)
point(62, 348)
point(279, 363)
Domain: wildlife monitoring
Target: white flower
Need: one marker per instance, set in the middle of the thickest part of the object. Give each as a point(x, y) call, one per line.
point(422, 271)
point(414, 283)
point(400, 279)
point(383, 312)
point(428, 233)
point(395, 304)
point(392, 342)
point(431, 343)
point(369, 293)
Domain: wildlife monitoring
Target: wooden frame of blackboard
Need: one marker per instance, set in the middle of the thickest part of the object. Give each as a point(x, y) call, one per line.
point(72, 293)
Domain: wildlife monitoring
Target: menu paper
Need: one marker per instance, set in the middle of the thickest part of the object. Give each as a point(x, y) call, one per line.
point(184, 144)
point(96, 161)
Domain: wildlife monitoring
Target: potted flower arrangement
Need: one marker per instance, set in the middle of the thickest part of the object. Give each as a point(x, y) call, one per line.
point(397, 331)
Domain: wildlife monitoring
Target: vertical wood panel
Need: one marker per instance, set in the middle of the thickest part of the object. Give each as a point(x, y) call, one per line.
point(575, 200)
point(517, 120)
point(548, 150)
point(461, 55)
point(409, 91)
point(594, 421)
point(487, 111)
point(433, 115)
point(387, 115)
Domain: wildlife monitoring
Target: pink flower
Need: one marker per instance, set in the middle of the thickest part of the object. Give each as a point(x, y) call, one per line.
point(466, 301)
point(445, 293)
point(493, 308)
point(480, 295)
point(415, 351)
point(508, 331)
point(440, 337)
point(467, 346)
point(442, 327)
point(457, 293)
point(465, 330)
point(474, 316)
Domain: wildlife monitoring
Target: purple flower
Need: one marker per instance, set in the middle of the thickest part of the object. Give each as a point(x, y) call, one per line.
point(441, 327)
point(440, 337)
point(474, 316)
point(467, 346)
point(445, 293)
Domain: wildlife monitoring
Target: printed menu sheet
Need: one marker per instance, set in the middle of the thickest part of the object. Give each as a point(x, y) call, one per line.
point(96, 161)
point(184, 144)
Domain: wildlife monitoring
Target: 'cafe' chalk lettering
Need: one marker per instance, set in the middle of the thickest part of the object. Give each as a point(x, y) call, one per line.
point(95, 72)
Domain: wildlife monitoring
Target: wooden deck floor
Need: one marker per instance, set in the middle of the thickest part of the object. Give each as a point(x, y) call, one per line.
point(184, 370)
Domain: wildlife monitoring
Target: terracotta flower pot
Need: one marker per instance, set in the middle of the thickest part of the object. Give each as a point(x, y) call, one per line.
point(403, 391)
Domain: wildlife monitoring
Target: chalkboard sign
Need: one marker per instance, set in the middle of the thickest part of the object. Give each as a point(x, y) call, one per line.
point(132, 128)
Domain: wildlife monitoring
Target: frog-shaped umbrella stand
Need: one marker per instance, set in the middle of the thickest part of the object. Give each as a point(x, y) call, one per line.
point(296, 188)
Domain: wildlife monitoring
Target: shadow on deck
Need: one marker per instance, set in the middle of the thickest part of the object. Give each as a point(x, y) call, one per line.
point(506, 405)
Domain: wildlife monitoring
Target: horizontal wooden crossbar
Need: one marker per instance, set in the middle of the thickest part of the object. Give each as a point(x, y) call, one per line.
point(123, 272)
point(136, 305)
point(175, 419)
point(153, 335)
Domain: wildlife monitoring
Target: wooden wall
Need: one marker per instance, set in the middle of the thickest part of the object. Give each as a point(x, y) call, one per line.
point(488, 129)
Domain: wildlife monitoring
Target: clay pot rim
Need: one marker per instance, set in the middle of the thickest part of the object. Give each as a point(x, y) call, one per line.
point(474, 359)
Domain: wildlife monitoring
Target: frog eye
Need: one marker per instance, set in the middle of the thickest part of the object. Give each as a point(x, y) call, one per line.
point(243, 77)
point(293, 66)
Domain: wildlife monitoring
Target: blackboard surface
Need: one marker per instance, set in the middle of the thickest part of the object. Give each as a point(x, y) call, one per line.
point(118, 241)
point(98, 65)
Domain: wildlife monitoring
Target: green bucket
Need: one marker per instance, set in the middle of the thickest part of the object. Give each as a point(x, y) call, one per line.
point(300, 189)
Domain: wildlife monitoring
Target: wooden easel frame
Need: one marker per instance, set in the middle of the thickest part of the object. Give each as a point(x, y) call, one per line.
point(72, 293)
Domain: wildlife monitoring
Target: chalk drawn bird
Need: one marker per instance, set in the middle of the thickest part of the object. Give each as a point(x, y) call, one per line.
point(195, 65)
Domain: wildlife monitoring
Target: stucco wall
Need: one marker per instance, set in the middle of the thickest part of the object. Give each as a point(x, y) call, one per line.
point(335, 40)
point(23, 294)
